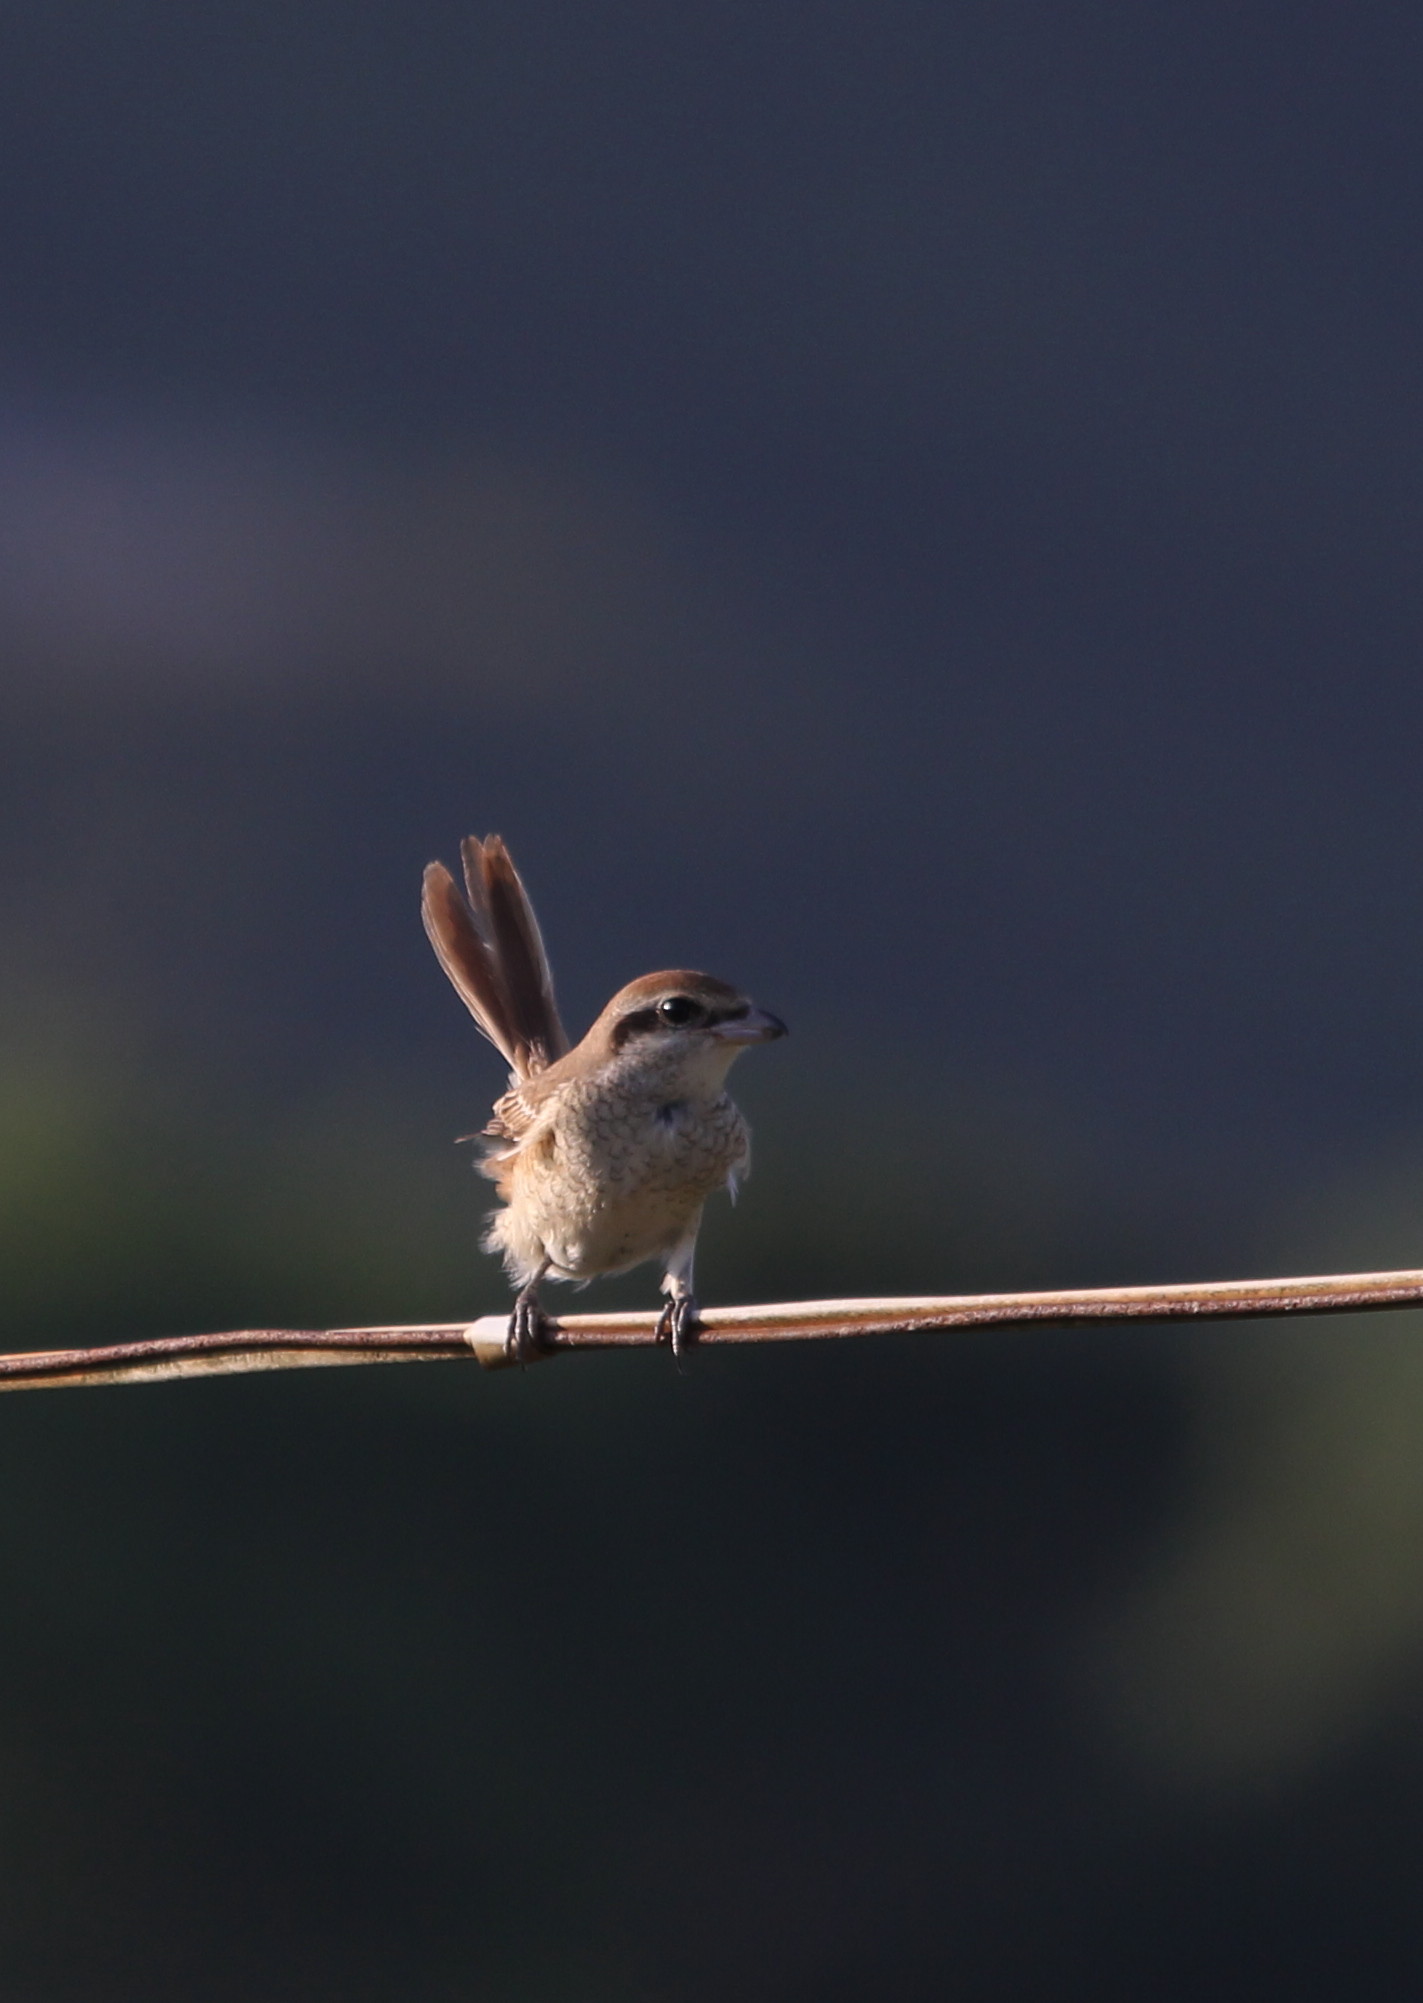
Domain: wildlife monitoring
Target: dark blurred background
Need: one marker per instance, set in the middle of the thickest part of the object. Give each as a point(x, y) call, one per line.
point(917, 510)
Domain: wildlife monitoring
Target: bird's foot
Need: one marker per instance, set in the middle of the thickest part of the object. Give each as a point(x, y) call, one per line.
point(677, 1325)
point(529, 1335)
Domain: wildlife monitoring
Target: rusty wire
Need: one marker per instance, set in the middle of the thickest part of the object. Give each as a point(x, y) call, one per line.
point(241, 1350)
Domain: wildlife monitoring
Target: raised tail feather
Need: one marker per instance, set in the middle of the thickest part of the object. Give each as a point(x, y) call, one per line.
point(493, 952)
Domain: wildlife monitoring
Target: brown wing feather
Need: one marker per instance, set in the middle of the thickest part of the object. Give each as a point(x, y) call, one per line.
point(502, 904)
point(468, 961)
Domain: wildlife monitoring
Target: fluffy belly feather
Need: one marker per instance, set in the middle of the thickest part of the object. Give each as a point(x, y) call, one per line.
point(600, 1190)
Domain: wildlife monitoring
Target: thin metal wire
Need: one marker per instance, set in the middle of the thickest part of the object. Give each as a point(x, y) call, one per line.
point(240, 1350)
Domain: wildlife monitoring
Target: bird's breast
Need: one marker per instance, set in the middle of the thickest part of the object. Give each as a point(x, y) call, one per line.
point(614, 1179)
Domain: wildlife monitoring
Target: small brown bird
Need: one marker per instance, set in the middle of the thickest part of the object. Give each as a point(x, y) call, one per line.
point(604, 1154)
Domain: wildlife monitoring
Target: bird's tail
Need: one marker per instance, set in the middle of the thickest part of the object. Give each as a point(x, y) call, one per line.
point(493, 952)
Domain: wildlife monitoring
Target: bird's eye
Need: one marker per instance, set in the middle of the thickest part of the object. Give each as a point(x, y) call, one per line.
point(679, 1010)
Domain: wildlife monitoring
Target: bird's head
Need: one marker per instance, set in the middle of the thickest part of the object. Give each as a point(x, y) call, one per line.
point(682, 1021)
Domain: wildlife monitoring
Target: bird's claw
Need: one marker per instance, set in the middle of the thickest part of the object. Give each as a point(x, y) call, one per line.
point(528, 1335)
point(677, 1325)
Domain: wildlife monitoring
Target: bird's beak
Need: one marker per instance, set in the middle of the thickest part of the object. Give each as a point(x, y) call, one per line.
point(758, 1025)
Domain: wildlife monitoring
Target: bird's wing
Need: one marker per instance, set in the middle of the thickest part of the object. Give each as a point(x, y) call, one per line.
point(514, 1115)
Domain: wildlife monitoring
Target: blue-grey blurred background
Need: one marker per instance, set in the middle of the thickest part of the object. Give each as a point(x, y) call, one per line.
point(917, 510)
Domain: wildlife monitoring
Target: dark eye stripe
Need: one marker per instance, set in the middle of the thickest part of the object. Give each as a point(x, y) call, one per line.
point(644, 1019)
point(636, 1024)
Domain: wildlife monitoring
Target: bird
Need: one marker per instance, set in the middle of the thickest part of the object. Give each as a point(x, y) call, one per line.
point(603, 1152)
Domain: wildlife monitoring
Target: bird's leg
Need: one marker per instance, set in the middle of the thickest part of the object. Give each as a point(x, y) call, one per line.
point(677, 1323)
point(528, 1324)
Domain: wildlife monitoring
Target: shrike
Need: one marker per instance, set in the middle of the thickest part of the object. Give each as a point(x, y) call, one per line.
point(605, 1153)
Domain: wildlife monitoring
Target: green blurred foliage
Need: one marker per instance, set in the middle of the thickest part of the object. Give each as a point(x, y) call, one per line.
point(132, 1204)
point(1282, 1625)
